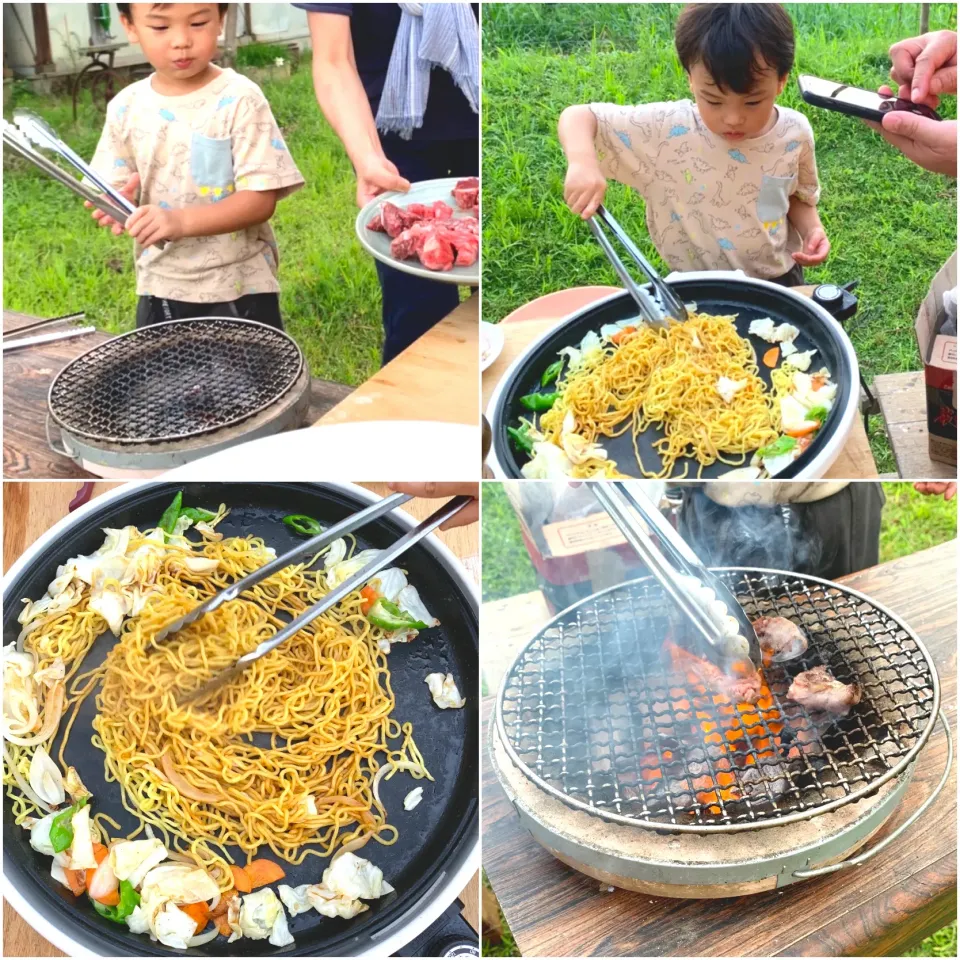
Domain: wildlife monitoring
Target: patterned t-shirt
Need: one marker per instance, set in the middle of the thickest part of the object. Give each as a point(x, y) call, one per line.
point(711, 204)
point(191, 150)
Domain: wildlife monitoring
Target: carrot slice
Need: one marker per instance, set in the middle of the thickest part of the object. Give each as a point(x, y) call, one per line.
point(198, 912)
point(370, 597)
point(262, 872)
point(771, 356)
point(241, 879)
point(805, 432)
point(620, 334)
point(110, 899)
point(76, 880)
point(100, 853)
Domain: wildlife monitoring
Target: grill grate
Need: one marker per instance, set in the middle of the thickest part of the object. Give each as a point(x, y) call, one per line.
point(174, 380)
point(593, 713)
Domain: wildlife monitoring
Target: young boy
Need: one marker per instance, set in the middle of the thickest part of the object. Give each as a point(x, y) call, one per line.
point(730, 181)
point(203, 150)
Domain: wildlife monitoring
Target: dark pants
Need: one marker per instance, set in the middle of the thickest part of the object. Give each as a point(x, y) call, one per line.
point(792, 278)
point(827, 538)
point(263, 307)
point(412, 305)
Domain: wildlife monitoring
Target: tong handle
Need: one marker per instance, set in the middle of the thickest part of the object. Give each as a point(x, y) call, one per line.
point(306, 549)
point(670, 304)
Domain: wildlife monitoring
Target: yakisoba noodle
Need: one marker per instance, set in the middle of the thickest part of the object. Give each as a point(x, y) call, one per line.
point(668, 378)
point(319, 709)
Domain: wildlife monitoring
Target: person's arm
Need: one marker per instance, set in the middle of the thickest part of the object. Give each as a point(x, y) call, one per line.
point(585, 185)
point(151, 224)
point(345, 105)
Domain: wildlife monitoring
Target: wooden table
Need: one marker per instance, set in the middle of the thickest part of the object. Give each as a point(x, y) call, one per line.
point(889, 904)
point(521, 327)
point(29, 509)
point(27, 375)
point(903, 404)
point(433, 379)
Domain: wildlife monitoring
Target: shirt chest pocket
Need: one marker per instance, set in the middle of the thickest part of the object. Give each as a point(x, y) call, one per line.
point(211, 165)
point(773, 201)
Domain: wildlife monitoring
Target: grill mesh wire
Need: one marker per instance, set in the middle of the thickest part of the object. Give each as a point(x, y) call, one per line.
point(592, 710)
point(174, 380)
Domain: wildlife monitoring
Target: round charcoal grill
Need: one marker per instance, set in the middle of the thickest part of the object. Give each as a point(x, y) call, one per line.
point(174, 380)
point(592, 719)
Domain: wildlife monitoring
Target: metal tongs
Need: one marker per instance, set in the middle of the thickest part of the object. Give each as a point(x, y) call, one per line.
point(655, 308)
point(308, 549)
point(670, 563)
point(18, 141)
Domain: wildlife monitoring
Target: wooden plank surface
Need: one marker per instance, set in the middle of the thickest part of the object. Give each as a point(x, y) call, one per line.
point(435, 378)
point(27, 375)
point(903, 404)
point(29, 509)
point(854, 463)
point(882, 908)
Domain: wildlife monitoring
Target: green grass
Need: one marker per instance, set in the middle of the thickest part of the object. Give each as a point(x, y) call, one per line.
point(56, 261)
point(911, 521)
point(261, 54)
point(891, 224)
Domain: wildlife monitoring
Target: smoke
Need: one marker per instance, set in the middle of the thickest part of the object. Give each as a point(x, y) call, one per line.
point(773, 536)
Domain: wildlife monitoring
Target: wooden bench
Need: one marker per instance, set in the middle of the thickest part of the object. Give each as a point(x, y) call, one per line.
point(903, 406)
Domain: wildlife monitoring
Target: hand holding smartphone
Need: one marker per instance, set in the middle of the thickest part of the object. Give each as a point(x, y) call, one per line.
point(856, 102)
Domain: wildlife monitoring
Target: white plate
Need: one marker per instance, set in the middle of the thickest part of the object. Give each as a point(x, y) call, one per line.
point(376, 450)
point(378, 244)
point(491, 344)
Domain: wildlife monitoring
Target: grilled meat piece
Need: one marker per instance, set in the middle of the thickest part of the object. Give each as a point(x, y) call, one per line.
point(780, 639)
point(740, 685)
point(818, 689)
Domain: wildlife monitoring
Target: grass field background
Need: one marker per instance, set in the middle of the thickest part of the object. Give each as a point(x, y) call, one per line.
point(890, 223)
point(911, 522)
point(56, 261)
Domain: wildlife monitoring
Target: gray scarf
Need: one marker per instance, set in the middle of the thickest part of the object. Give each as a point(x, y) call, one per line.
point(430, 35)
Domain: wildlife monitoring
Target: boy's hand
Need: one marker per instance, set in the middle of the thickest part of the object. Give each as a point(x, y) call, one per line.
point(151, 224)
point(816, 247)
point(129, 190)
point(584, 188)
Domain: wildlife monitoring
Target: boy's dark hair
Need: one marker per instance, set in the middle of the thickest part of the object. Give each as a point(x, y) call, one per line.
point(734, 40)
point(124, 8)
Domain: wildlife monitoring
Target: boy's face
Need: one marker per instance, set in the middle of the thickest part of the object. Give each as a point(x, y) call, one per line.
point(179, 39)
point(736, 116)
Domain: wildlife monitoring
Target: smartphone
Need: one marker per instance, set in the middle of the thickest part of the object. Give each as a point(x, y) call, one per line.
point(856, 102)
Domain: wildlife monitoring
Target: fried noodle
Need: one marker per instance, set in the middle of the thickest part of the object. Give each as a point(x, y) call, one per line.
point(668, 379)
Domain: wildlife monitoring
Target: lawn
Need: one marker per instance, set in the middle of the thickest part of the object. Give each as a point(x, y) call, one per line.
point(55, 261)
point(911, 522)
point(891, 224)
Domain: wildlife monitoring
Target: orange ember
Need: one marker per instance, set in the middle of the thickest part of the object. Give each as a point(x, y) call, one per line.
point(731, 729)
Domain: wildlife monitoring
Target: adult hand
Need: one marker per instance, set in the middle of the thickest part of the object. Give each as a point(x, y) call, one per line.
point(816, 247)
point(129, 190)
point(925, 67)
point(584, 188)
point(931, 144)
point(948, 489)
point(377, 175)
point(469, 514)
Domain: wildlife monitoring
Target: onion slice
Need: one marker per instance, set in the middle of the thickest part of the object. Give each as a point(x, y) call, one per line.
point(184, 788)
point(202, 938)
point(51, 720)
point(22, 784)
point(355, 844)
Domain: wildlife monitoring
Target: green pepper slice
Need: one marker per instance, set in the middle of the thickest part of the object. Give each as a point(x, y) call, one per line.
point(302, 524)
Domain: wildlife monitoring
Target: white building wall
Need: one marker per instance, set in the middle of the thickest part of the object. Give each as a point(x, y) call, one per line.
point(70, 30)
